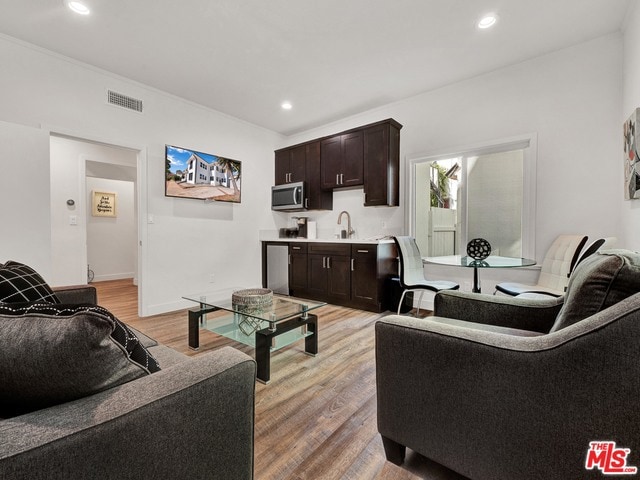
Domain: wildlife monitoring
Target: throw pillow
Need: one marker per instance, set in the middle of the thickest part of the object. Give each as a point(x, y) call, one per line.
point(53, 354)
point(21, 283)
point(599, 282)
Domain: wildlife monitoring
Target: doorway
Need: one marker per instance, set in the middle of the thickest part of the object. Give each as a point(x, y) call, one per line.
point(84, 239)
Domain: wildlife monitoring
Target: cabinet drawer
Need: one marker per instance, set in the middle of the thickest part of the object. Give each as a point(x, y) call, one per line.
point(298, 247)
point(330, 248)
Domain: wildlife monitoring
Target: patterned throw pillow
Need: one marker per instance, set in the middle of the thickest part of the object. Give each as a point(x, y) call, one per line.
point(53, 354)
point(21, 283)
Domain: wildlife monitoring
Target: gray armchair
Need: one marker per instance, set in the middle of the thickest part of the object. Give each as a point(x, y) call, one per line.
point(503, 388)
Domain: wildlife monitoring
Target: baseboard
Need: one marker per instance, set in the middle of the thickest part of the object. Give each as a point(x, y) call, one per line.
point(113, 276)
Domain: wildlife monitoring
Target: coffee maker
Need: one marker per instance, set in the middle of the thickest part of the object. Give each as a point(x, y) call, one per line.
point(302, 226)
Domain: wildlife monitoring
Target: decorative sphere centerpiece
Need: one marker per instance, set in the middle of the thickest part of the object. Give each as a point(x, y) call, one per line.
point(478, 249)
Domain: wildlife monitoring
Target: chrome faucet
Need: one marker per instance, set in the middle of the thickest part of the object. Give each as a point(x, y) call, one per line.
point(349, 229)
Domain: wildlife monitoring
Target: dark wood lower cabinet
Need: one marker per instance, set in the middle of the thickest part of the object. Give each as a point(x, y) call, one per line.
point(349, 274)
point(329, 277)
point(371, 268)
point(298, 269)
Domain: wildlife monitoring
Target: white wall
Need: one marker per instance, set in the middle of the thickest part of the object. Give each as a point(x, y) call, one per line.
point(112, 241)
point(44, 89)
point(570, 98)
point(24, 197)
point(631, 100)
point(68, 167)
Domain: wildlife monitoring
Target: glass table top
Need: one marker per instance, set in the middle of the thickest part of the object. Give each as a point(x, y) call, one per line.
point(282, 307)
point(492, 261)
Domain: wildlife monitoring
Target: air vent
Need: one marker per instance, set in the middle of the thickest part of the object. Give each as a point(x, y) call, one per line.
point(124, 101)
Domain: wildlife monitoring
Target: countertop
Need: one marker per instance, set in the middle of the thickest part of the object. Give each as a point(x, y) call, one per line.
point(370, 240)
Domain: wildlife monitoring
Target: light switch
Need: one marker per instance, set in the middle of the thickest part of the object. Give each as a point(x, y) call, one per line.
point(73, 220)
point(150, 218)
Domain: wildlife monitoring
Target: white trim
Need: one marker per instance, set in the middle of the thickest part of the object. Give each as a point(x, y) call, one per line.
point(527, 142)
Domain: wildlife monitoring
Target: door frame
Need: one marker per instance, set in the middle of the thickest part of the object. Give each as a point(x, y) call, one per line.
point(141, 194)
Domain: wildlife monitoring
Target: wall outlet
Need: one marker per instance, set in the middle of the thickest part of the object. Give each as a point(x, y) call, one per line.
point(383, 224)
point(212, 278)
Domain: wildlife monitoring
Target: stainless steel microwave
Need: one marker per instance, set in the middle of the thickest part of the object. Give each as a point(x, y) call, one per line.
point(288, 197)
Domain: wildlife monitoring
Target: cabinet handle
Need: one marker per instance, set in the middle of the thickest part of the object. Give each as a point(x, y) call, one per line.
point(352, 264)
point(324, 262)
point(342, 179)
point(363, 251)
point(328, 262)
point(296, 248)
point(306, 202)
point(337, 179)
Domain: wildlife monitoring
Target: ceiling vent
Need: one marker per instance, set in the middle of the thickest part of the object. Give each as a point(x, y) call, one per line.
point(124, 101)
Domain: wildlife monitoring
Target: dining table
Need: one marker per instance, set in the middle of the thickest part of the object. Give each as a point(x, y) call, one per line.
point(492, 261)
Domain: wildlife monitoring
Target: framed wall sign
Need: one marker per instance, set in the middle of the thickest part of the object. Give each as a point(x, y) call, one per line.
point(103, 204)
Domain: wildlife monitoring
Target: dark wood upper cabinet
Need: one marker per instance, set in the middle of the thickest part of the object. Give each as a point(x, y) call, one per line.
point(301, 163)
point(342, 160)
point(382, 164)
point(317, 198)
point(367, 155)
point(290, 165)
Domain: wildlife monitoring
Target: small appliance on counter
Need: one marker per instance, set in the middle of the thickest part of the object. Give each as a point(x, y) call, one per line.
point(302, 226)
point(288, 233)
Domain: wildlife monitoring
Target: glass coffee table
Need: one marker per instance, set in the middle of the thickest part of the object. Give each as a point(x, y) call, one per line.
point(285, 321)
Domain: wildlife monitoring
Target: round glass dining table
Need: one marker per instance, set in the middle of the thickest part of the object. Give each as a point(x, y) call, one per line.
point(492, 261)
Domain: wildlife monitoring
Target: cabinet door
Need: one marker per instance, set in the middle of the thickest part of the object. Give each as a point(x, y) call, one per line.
point(339, 278)
point(297, 270)
point(376, 152)
point(381, 165)
point(282, 161)
point(317, 276)
point(352, 172)
point(330, 161)
point(364, 274)
point(297, 166)
point(317, 199)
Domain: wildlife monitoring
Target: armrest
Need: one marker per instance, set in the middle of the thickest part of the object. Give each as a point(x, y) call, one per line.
point(77, 294)
point(194, 419)
point(525, 314)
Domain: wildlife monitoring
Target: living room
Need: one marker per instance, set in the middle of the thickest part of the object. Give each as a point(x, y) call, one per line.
point(574, 98)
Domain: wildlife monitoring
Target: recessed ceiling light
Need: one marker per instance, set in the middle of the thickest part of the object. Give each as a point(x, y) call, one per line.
point(488, 21)
point(79, 7)
point(286, 106)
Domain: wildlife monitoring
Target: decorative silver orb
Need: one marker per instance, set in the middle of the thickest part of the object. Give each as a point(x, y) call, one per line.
point(478, 249)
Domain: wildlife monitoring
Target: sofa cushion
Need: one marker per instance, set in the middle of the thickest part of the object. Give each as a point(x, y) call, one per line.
point(53, 354)
point(21, 283)
point(599, 282)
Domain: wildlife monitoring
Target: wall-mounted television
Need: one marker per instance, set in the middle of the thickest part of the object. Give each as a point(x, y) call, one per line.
point(203, 176)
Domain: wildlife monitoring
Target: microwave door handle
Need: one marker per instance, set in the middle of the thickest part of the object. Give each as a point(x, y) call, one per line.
point(296, 191)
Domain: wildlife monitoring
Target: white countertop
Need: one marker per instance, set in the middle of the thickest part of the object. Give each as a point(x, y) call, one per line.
point(370, 240)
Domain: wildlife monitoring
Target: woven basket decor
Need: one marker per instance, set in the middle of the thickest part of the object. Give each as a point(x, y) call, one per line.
point(253, 297)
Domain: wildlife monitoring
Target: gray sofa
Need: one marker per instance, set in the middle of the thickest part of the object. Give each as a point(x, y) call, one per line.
point(192, 419)
point(504, 388)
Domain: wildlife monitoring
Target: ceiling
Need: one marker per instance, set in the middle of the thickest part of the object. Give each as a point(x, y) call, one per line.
point(329, 58)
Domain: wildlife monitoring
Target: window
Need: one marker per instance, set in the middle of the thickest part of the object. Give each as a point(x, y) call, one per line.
point(484, 191)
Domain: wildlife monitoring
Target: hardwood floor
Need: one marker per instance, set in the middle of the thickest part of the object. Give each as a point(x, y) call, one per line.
point(316, 419)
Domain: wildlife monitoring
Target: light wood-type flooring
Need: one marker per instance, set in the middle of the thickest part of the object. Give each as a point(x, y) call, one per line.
point(316, 419)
